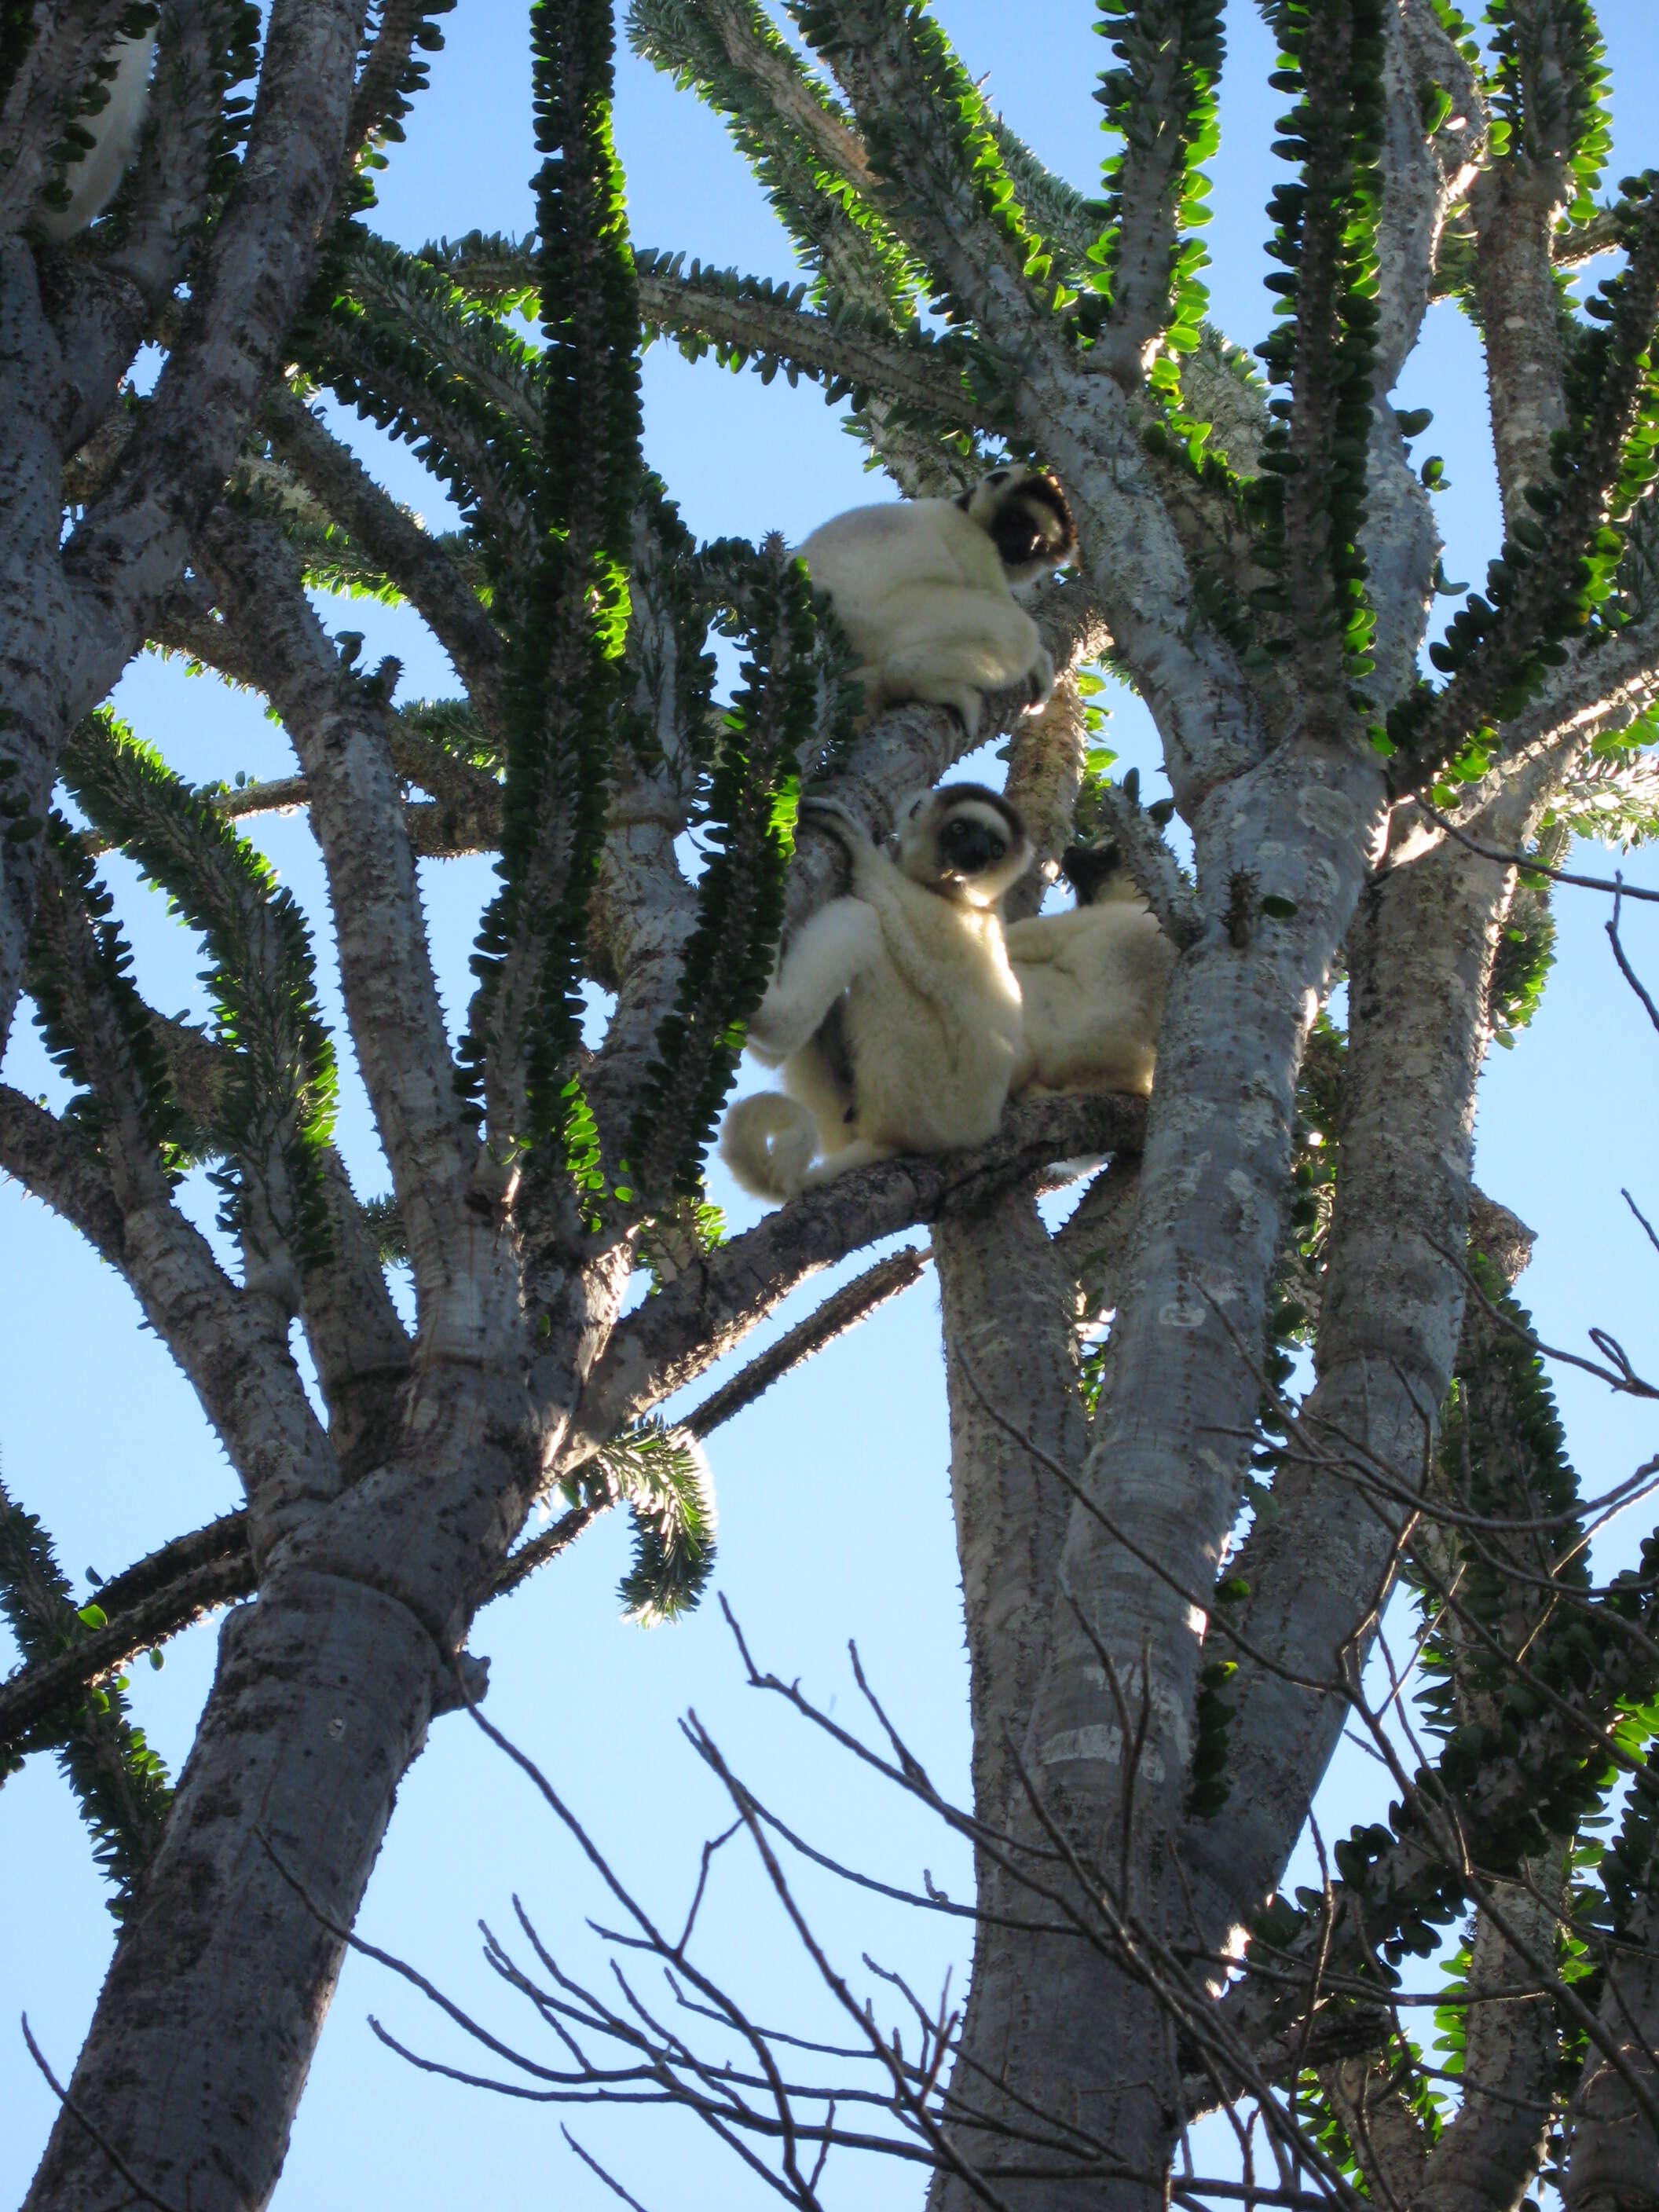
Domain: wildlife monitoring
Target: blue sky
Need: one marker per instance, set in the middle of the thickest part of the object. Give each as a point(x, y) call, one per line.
point(829, 1531)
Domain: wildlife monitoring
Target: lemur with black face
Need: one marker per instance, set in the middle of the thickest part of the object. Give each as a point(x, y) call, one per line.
point(895, 1013)
point(1091, 983)
point(924, 589)
point(94, 179)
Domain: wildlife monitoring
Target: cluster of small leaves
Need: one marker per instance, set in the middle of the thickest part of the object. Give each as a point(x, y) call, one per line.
point(663, 1475)
point(385, 126)
point(1529, 1750)
point(384, 1220)
point(451, 728)
point(20, 21)
point(398, 340)
point(494, 271)
point(957, 114)
point(1545, 85)
point(568, 692)
point(1555, 577)
point(839, 235)
point(1310, 498)
point(841, 317)
point(1525, 955)
point(77, 140)
point(1629, 1867)
point(73, 1002)
point(1161, 100)
point(276, 1106)
point(747, 817)
point(119, 1783)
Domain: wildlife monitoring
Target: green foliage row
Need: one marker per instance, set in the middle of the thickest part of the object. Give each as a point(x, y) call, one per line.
point(1161, 100)
point(276, 1105)
point(393, 339)
point(88, 1007)
point(384, 128)
point(1555, 581)
point(1310, 498)
point(1546, 82)
point(1540, 1700)
point(839, 235)
point(566, 693)
point(119, 1783)
point(745, 820)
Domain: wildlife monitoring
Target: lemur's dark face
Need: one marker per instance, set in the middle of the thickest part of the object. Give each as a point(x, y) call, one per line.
point(1032, 528)
point(966, 841)
point(968, 845)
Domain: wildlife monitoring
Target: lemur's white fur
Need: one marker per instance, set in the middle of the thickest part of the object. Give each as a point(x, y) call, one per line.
point(1091, 985)
point(924, 590)
point(94, 179)
point(895, 1012)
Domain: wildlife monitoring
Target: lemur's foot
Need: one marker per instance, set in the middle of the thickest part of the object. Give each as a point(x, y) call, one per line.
point(1040, 679)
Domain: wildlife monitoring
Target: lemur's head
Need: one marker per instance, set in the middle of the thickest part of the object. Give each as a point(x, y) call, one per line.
point(963, 840)
point(1024, 514)
point(1097, 873)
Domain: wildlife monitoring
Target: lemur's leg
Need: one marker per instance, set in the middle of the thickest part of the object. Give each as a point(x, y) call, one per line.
point(963, 644)
point(860, 1153)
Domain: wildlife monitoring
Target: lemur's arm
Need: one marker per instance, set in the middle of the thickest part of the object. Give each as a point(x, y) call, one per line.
point(840, 942)
point(896, 904)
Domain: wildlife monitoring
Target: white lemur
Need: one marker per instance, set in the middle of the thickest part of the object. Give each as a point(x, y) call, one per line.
point(924, 590)
point(1091, 983)
point(894, 1012)
point(94, 179)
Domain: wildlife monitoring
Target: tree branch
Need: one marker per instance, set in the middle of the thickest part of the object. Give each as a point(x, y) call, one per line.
point(843, 1310)
point(723, 1295)
point(422, 570)
point(132, 542)
point(31, 1694)
point(746, 319)
point(356, 811)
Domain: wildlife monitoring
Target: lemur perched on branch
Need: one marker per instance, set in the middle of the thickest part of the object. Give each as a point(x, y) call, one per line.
point(924, 590)
point(1091, 983)
point(895, 1013)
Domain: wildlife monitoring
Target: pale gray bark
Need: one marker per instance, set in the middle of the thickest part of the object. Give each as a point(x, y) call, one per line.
point(1011, 1348)
point(1489, 2155)
point(1387, 2140)
point(69, 622)
point(321, 1700)
point(1419, 964)
point(357, 811)
point(1393, 1302)
point(1613, 2163)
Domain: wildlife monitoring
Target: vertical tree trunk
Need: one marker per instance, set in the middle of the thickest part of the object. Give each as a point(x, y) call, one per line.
point(1420, 962)
point(1614, 2163)
point(1011, 1344)
point(223, 1973)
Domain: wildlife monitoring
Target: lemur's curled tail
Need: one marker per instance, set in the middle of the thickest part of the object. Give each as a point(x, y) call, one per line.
point(768, 1141)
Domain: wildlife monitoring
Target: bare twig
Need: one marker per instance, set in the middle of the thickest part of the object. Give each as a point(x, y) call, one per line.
point(1625, 968)
point(141, 2190)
